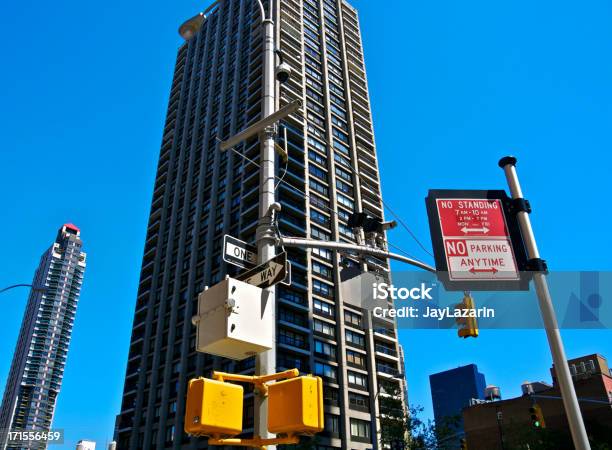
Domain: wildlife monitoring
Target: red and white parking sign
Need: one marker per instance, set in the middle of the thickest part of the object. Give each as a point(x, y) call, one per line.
point(476, 239)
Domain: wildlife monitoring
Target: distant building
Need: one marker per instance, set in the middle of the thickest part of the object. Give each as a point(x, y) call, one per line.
point(36, 373)
point(452, 390)
point(112, 445)
point(509, 421)
point(86, 445)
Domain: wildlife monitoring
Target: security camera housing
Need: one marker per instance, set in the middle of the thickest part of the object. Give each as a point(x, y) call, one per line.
point(283, 73)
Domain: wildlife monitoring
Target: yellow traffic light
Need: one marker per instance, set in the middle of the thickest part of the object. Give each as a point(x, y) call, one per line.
point(295, 406)
point(537, 417)
point(214, 408)
point(463, 443)
point(466, 319)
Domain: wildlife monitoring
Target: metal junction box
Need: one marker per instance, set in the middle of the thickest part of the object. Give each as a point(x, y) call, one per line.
point(235, 320)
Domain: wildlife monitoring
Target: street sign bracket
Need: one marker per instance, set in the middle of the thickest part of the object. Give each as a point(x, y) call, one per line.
point(536, 265)
point(518, 205)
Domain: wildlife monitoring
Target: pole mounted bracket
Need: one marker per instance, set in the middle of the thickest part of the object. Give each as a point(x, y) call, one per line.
point(518, 205)
point(536, 265)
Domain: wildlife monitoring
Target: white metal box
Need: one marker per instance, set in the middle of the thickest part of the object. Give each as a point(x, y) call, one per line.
point(235, 320)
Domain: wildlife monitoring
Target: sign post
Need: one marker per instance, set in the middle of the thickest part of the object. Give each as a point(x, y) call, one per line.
point(477, 244)
point(566, 385)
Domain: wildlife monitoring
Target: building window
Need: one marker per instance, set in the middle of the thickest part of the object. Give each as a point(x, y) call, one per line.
point(358, 401)
point(323, 308)
point(360, 429)
point(355, 359)
point(344, 187)
point(357, 379)
point(330, 396)
point(325, 370)
point(318, 234)
point(170, 434)
point(323, 253)
point(345, 201)
point(322, 289)
point(318, 187)
point(292, 317)
point(323, 348)
point(325, 328)
point(355, 338)
point(292, 296)
point(348, 232)
point(290, 338)
point(317, 172)
point(317, 144)
point(319, 218)
point(332, 424)
point(352, 318)
point(341, 160)
point(343, 148)
point(322, 270)
point(315, 157)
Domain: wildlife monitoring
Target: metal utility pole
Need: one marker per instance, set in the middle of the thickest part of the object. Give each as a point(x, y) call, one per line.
point(266, 362)
point(566, 385)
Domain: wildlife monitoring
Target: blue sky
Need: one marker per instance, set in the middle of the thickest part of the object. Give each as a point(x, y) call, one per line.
point(454, 86)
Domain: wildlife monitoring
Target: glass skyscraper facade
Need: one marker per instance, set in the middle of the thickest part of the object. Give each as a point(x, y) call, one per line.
point(201, 193)
point(35, 377)
point(451, 391)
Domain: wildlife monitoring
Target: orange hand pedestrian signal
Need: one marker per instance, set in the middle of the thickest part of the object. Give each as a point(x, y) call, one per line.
point(295, 406)
point(214, 408)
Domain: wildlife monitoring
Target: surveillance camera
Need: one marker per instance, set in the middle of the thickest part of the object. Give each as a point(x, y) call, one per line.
point(283, 72)
point(388, 225)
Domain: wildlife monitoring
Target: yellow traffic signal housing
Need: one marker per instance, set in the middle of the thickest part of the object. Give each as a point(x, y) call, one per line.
point(468, 326)
point(537, 417)
point(214, 408)
point(295, 406)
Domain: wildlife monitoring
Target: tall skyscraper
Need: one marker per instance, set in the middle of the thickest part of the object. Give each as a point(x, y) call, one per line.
point(35, 377)
point(201, 193)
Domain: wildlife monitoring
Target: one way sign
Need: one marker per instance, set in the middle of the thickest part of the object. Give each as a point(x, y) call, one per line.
point(268, 273)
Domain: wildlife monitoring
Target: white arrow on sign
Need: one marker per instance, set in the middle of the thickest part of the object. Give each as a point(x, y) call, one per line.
point(467, 230)
point(266, 274)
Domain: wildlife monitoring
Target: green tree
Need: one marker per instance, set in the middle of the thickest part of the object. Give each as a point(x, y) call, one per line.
point(403, 428)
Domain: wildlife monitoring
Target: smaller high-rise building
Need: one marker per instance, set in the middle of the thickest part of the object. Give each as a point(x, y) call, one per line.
point(453, 390)
point(36, 373)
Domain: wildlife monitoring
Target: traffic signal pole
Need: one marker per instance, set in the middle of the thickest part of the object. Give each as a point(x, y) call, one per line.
point(265, 363)
point(566, 385)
